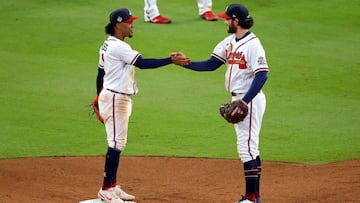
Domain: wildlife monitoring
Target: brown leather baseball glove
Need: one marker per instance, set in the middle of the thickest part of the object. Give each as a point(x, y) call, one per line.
point(235, 111)
point(95, 109)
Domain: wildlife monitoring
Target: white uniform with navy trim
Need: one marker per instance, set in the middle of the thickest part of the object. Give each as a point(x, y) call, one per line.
point(244, 58)
point(117, 59)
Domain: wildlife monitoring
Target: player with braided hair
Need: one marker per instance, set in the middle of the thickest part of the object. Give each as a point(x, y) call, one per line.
point(115, 83)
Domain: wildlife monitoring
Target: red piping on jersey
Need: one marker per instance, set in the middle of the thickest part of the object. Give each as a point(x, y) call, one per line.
point(114, 121)
point(261, 69)
point(219, 57)
point(230, 77)
point(135, 58)
point(244, 43)
point(232, 65)
point(249, 138)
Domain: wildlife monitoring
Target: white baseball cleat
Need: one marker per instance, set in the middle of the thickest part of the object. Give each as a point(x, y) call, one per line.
point(109, 196)
point(244, 200)
point(122, 194)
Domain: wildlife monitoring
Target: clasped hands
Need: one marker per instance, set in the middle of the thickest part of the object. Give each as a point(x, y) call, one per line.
point(179, 58)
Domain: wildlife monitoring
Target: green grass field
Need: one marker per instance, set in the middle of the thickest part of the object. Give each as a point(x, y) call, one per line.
point(49, 56)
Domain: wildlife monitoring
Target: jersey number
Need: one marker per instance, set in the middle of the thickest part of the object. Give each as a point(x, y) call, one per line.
point(104, 47)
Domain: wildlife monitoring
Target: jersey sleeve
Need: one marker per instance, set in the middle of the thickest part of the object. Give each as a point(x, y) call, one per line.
point(125, 53)
point(101, 58)
point(219, 51)
point(257, 58)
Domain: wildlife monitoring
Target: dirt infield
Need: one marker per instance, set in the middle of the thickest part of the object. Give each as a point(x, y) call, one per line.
point(179, 180)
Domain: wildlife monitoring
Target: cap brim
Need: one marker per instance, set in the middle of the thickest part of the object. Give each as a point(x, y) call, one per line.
point(131, 19)
point(223, 15)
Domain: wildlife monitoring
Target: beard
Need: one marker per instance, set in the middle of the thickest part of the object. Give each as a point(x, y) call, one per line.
point(232, 27)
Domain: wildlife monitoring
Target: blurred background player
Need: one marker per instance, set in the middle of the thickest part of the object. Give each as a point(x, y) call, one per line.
point(152, 14)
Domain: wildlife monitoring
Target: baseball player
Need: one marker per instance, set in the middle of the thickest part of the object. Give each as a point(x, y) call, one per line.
point(246, 74)
point(115, 84)
point(152, 14)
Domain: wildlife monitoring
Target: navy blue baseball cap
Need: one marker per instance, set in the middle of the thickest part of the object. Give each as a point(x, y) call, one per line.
point(122, 15)
point(233, 11)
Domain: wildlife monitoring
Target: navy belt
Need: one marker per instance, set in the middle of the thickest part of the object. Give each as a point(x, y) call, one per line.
point(235, 94)
point(118, 92)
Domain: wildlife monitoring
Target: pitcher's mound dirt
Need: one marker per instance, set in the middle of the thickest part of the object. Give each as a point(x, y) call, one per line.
point(178, 180)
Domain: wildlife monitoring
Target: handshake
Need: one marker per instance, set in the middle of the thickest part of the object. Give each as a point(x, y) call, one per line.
point(178, 58)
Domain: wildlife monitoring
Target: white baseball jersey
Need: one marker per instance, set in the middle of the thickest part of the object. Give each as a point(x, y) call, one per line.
point(243, 58)
point(117, 59)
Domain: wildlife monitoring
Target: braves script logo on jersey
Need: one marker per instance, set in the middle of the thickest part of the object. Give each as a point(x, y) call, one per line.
point(237, 58)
